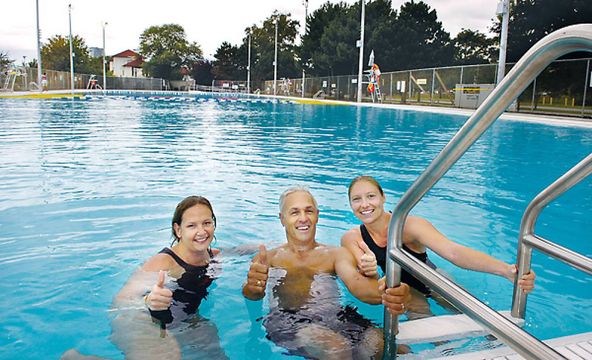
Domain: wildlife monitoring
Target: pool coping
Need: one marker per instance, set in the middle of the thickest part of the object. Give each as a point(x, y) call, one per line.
point(511, 116)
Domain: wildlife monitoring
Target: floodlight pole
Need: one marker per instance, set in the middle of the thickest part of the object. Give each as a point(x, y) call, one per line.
point(361, 45)
point(38, 48)
point(305, 16)
point(501, 66)
point(249, 66)
point(104, 60)
point(275, 59)
point(71, 53)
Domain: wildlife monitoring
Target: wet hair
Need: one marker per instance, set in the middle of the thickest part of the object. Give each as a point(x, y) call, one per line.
point(366, 178)
point(294, 189)
point(185, 204)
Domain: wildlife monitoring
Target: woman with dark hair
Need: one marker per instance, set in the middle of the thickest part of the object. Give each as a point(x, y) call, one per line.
point(368, 241)
point(168, 290)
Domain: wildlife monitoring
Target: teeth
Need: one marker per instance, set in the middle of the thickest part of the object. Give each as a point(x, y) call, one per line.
point(366, 212)
point(302, 227)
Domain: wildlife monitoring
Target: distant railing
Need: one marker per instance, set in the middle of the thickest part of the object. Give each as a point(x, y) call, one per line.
point(564, 87)
point(60, 80)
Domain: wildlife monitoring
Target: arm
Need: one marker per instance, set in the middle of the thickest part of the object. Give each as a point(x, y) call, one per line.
point(254, 287)
point(365, 258)
point(423, 232)
point(364, 288)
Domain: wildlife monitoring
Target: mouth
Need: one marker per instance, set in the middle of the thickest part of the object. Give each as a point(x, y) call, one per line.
point(201, 240)
point(303, 228)
point(367, 212)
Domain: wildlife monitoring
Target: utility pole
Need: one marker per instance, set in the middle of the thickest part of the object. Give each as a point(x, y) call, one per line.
point(39, 73)
point(71, 53)
point(361, 46)
point(503, 9)
point(304, 32)
point(104, 60)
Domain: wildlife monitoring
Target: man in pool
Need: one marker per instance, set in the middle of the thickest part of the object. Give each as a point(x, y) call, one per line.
point(306, 316)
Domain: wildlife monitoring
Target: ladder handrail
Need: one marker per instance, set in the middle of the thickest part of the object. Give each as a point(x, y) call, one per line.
point(569, 39)
point(527, 240)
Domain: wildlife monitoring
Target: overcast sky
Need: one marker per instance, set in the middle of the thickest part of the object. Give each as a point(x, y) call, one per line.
point(209, 23)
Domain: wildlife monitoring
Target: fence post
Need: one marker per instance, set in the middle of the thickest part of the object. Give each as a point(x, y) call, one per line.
point(532, 107)
point(433, 80)
point(586, 84)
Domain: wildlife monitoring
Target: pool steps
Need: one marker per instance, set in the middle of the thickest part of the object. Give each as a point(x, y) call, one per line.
point(561, 42)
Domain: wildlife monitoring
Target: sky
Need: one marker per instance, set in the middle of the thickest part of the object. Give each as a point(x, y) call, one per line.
point(208, 23)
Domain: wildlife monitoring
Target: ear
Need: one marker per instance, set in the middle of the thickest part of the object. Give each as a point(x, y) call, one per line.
point(282, 219)
point(177, 229)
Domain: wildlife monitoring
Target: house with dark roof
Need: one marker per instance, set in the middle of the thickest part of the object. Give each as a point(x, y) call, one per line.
point(127, 63)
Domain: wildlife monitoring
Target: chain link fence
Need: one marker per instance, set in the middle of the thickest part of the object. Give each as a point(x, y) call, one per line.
point(25, 79)
point(564, 87)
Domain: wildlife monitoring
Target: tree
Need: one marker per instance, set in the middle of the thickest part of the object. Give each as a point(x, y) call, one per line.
point(473, 47)
point(531, 20)
point(226, 66)
point(4, 60)
point(166, 50)
point(56, 55)
point(202, 72)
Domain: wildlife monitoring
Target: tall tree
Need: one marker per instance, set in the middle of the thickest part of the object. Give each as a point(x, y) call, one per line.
point(202, 72)
point(56, 55)
point(226, 66)
point(167, 49)
point(531, 20)
point(4, 60)
point(473, 47)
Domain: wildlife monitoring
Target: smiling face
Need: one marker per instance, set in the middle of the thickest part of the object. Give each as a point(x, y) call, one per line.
point(366, 201)
point(299, 216)
point(196, 230)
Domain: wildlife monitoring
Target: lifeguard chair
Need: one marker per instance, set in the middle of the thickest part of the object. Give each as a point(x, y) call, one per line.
point(373, 75)
point(92, 83)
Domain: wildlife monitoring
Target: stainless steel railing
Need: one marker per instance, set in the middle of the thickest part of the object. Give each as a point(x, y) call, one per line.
point(569, 39)
point(528, 240)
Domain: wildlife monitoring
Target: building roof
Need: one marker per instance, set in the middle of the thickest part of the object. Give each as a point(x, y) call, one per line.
point(136, 62)
point(127, 53)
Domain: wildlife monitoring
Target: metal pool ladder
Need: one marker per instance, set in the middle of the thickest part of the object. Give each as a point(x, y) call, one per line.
point(567, 40)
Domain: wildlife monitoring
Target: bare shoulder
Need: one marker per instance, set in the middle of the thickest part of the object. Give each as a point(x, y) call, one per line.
point(415, 224)
point(158, 262)
point(353, 235)
point(340, 252)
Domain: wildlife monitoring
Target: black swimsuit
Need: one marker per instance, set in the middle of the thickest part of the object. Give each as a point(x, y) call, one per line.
point(380, 253)
point(192, 289)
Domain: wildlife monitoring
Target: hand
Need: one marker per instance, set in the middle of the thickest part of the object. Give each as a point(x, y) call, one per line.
point(526, 282)
point(394, 299)
point(367, 264)
point(258, 272)
point(160, 298)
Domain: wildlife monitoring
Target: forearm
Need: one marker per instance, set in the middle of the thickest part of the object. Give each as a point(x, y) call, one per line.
point(366, 290)
point(470, 259)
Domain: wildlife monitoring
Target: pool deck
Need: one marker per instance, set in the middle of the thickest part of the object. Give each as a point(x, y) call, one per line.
point(511, 116)
point(572, 347)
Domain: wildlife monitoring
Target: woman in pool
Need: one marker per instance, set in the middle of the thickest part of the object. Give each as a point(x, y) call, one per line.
point(168, 322)
point(368, 245)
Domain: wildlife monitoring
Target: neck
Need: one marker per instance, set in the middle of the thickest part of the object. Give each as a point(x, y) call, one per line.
point(197, 258)
point(379, 229)
point(301, 247)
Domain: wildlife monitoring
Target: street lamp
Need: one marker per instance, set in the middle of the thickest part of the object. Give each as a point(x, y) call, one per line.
point(361, 46)
point(503, 8)
point(104, 61)
point(275, 58)
point(38, 48)
point(71, 53)
point(249, 66)
point(305, 16)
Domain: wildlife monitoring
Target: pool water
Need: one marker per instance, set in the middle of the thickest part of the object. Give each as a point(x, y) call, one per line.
point(88, 188)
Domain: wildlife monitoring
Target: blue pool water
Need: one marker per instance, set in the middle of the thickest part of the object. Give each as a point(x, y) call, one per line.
point(87, 190)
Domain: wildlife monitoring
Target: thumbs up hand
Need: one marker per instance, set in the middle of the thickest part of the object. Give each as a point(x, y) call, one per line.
point(159, 298)
point(257, 276)
point(367, 263)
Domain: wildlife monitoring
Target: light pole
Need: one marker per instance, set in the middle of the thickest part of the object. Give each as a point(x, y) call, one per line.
point(104, 61)
point(38, 48)
point(275, 59)
point(249, 66)
point(361, 45)
point(305, 16)
point(504, 10)
point(71, 53)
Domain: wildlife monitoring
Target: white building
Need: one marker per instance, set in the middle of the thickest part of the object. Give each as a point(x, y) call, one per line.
point(127, 63)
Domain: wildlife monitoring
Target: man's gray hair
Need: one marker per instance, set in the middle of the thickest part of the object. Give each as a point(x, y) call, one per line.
point(294, 189)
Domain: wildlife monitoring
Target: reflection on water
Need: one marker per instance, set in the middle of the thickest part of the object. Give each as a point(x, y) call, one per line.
point(87, 190)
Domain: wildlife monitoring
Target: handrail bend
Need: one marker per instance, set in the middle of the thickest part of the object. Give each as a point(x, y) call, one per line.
point(527, 240)
point(567, 40)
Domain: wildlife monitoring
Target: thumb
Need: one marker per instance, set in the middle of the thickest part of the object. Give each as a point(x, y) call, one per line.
point(160, 282)
point(364, 247)
point(262, 255)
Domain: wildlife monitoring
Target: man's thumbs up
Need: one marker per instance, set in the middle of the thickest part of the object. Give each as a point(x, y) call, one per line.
point(262, 258)
point(257, 277)
point(367, 262)
point(159, 298)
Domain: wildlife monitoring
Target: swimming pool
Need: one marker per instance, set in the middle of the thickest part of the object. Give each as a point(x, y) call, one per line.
point(87, 190)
